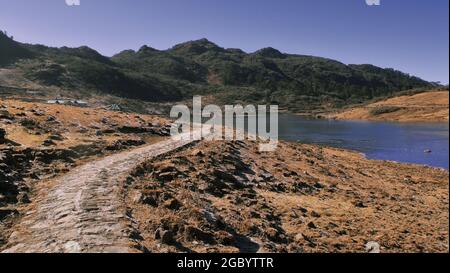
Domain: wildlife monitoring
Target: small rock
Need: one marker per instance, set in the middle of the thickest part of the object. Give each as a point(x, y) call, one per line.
point(35, 176)
point(167, 176)
point(303, 210)
point(319, 186)
point(192, 233)
point(225, 238)
point(56, 137)
point(23, 198)
point(274, 235)
point(83, 130)
point(151, 198)
point(332, 225)
point(311, 225)
point(210, 217)
point(51, 118)
point(224, 176)
point(360, 204)
point(252, 214)
point(315, 214)
point(167, 237)
point(198, 153)
point(172, 204)
point(49, 142)
point(373, 247)
point(72, 247)
point(158, 234)
point(4, 114)
point(2, 135)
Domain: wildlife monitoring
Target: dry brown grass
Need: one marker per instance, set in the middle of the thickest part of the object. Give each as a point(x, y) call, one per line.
point(430, 106)
point(344, 202)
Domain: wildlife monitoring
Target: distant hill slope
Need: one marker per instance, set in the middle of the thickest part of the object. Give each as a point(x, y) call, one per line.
point(427, 106)
point(10, 50)
point(201, 67)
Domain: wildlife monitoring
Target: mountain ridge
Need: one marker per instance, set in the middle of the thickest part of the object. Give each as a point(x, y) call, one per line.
point(201, 67)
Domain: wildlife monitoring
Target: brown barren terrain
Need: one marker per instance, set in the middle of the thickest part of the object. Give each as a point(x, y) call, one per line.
point(41, 142)
point(430, 106)
point(72, 181)
point(229, 197)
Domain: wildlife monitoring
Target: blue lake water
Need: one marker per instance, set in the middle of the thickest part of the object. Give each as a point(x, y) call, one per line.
point(402, 142)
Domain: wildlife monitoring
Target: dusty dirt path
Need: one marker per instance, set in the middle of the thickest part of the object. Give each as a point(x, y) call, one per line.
point(84, 210)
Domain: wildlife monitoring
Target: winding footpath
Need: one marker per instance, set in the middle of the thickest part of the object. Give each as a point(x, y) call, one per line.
point(84, 212)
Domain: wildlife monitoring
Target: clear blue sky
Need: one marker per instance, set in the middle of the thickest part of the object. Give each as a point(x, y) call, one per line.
point(409, 35)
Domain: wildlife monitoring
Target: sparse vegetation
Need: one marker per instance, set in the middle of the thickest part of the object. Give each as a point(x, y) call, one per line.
point(408, 106)
point(380, 110)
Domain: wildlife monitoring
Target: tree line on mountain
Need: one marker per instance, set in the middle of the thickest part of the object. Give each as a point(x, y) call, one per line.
point(203, 68)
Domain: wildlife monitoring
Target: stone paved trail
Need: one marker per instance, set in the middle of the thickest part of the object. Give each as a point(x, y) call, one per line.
point(84, 212)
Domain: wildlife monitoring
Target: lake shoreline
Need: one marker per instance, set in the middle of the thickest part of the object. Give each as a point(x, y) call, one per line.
point(415, 143)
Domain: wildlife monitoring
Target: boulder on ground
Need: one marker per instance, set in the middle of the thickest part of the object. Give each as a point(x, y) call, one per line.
point(373, 247)
point(192, 233)
point(166, 236)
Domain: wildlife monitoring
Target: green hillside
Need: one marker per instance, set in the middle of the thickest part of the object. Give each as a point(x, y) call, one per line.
point(11, 51)
point(201, 67)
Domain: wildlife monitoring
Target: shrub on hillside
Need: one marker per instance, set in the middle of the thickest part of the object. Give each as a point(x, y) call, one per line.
point(380, 110)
